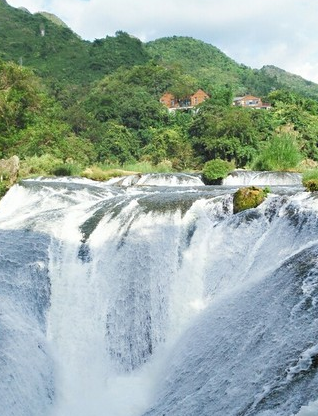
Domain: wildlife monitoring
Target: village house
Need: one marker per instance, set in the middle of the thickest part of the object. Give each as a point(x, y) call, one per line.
point(251, 102)
point(170, 101)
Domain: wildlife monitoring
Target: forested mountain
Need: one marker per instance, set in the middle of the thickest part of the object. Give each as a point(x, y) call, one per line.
point(291, 81)
point(213, 68)
point(42, 42)
point(57, 54)
point(65, 100)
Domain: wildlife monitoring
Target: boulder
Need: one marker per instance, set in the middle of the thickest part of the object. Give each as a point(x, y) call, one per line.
point(246, 198)
point(9, 169)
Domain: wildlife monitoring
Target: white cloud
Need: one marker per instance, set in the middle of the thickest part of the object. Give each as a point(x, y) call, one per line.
point(253, 32)
point(32, 5)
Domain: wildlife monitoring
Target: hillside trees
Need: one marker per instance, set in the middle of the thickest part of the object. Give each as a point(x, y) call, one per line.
point(120, 120)
point(117, 145)
point(31, 122)
point(113, 52)
point(228, 133)
point(129, 100)
point(299, 115)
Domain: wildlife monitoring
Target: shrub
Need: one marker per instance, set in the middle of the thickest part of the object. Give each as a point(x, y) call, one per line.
point(280, 154)
point(310, 180)
point(98, 174)
point(39, 165)
point(3, 189)
point(66, 169)
point(145, 166)
point(311, 185)
point(215, 170)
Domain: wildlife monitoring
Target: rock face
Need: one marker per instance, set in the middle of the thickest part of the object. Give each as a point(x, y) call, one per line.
point(9, 169)
point(246, 198)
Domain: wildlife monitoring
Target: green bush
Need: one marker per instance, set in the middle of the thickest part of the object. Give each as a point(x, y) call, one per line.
point(215, 170)
point(39, 165)
point(311, 185)
point(310, 180)
point(145, 166)
point(281, 154)
point(3, 189)
point(66, 169)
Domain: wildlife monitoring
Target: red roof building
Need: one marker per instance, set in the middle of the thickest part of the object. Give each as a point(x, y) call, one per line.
point(173, 103)
point(251, 102)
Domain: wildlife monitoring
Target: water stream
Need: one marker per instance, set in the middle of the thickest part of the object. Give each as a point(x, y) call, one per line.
point(151, 299)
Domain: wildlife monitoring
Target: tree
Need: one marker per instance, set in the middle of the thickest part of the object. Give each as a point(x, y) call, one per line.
point(118, 145)
point(169, 144)
point(227, 133)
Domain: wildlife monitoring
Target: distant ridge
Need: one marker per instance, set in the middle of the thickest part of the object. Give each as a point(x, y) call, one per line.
point(54, 19)
point(43, 42)
point(24, 9)
point(290, 80)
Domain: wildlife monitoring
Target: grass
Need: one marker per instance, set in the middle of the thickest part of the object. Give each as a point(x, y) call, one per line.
point(280, 154)
point(97, 173)
point(48, 165)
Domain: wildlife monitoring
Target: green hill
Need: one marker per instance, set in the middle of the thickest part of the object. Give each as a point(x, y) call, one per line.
point(54, 19)
point(42, 43)
point(201, 60)
point(98, 102)
point(213, 68)
point(291, 81)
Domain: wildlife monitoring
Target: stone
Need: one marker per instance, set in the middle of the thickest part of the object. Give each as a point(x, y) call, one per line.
point(249, 197)
point(9, 169)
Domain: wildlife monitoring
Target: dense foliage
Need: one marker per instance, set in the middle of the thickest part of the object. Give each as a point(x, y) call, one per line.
point(87, 104)
point(215, 170)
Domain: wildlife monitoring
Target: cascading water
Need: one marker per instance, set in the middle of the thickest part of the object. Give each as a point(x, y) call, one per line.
point(246, 178)
point(135, 301)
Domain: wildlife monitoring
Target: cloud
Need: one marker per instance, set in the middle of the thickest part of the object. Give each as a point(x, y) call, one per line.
point(253, 32)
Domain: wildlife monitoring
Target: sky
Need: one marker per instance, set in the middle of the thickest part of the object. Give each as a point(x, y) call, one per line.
point(283, 33)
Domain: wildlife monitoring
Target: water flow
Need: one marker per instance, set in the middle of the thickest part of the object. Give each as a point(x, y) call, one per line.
point(152, 302)
point(247, 178)
point(116, 304)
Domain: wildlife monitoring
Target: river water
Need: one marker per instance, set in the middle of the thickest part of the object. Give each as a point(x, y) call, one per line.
point(153, 298)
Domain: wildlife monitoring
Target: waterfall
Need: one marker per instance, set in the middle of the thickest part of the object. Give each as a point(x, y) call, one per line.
point(246, 178)
point(151, 300)
point(157, 179)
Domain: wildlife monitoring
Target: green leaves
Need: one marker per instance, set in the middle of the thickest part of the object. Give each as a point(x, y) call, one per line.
point(169, 144)
point(215, 170)
point(228, 133)
point(118, 145)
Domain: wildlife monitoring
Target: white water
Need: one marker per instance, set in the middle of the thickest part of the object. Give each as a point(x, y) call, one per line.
point(245, 178)
point(156, 179)
point(310, 410)
point(159, 302)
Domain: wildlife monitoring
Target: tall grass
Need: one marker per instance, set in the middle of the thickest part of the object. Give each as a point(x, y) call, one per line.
point(47, 165)
point(147, 167)
point(281, 154)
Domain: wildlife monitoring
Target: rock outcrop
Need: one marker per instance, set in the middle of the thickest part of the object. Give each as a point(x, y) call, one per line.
point(9, 169)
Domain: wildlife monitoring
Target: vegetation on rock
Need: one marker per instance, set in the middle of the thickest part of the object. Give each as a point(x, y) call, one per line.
point(310, 180)
point(249, 197)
